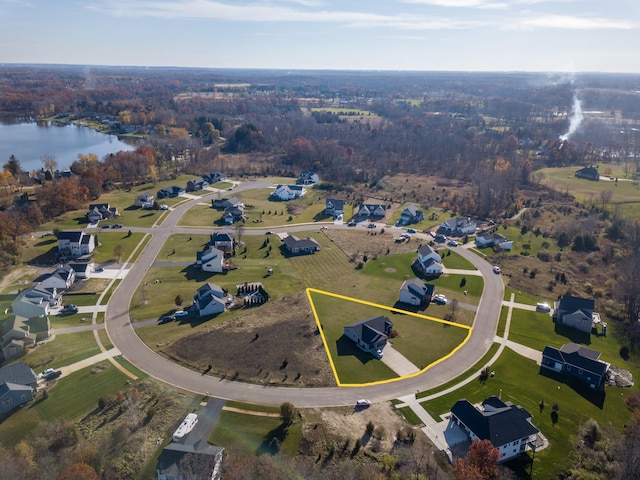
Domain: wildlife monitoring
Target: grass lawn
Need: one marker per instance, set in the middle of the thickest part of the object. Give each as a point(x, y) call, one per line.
point(453, 287)
point(520, 382)
point(451, 259)
point(254, 433)
point(63, 350)
point(110, 241)
point(353, 366)
point(502, 323)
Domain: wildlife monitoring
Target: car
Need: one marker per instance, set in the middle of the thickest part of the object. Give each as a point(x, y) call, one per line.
point(99, 269)
point(440, 238)
point(371, 225)
point(452, 243)
point(164, 207)
point(496, 269)
point(411, 230)
point(106, 225)
point(166, 319)
point(53, 375)
point(117, 225)
point(48, 371)
point(230, 188)
point(268, 232)
point(543, 307)
point(182, 313)
point(440, 299)
point(70, 309)
point(351, 224)
point(363, 403)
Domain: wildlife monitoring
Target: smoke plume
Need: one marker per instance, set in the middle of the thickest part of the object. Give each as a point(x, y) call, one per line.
point(575, 120)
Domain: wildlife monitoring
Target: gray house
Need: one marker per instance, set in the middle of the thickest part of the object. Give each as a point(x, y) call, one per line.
point(576, 361)
point(574, 312)
point(370, 334)
point(410, 215)
point(297, 246)
point(416, 292)
point(590, 173)
point(17, 383)
point(172, 464)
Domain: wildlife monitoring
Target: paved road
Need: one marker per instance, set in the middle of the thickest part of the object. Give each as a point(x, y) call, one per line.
point(124, 338)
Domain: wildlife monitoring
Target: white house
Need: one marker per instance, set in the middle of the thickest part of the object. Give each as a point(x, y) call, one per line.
point(76, 244)
point(416, 292)
point(144, 199)
point(61, 279)
point(209, 300)
point(83, 270)
point(211, 259)
point(458, 227)
point(288, 192)
point(508, 427)
point(493, 240)
point(308, 178)
point(428, 261)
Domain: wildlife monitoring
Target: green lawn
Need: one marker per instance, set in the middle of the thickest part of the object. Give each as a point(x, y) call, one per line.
point(519, 381)
point(452, 259)
point(253, 433)
point(414, 340)
point(110, 240)
point(63, 350)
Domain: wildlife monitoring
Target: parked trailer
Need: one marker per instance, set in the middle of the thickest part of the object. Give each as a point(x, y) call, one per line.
point(185, 427)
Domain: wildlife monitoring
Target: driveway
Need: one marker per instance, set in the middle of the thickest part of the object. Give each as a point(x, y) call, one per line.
point(124, 338)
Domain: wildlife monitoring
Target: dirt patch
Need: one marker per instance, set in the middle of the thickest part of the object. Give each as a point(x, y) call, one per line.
point(390, 270)
point(275, 344)
point(12, 277)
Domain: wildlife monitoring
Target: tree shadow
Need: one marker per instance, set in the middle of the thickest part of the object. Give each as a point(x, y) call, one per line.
point(49, 241)
point(576, 336)
point(593, 396)
point(273, 439)
point(346, 347)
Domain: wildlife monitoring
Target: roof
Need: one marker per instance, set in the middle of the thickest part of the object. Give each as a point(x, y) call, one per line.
point(221, 237)
point(577, 356)
point(168, 462)
point(418, 287)
point(19, 373)
point(8, 386)
point(210, 287)
point(426, 250)
point(85, 239)
point(72, 236)
point(569, 303)
point(292, 242)
point(411, 210)
point(500, 423)
point(79, 267)
point(371, 329)
point(335, 203)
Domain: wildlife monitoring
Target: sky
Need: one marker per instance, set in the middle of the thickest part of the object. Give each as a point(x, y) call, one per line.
point(423, 35)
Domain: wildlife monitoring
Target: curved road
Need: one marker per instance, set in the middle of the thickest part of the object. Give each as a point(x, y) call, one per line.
point(124, 338)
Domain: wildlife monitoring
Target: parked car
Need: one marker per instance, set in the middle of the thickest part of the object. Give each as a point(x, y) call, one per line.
point(543, 307)
point(363, 403)
point(46, 372)
point(496, 269)
point(166, 319)
point(440, 238)
point(411, 230)
point(164, 207)
point(99, 269)
point(106, 225)
point(269, 232)
point(182, 313)
point(117, 225)
point(69, 309)
point(440, 299)
point(351, 223)
point(371, 225)
point(53, 375)
point(452, 243)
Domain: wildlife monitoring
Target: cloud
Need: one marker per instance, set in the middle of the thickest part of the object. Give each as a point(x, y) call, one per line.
point(568, 22)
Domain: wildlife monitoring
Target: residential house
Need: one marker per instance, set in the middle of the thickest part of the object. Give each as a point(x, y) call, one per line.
point(101, 211)
point(590, 173)
point(232, 215)
point(493, 240)
point(458, 227)
point(35, 301)
point(574, 312)
point(196, 184)
point(222, 240)
point(224, 203)
point(214, 177)
point(144, 200)
point(288, 192)
point(308, 178)
point(170, 192)
point(370, 334)
point(416, 292)
point(209, 300)
point(210, 259)
point(372, 211)
point(297, 246)
point(61, 279)
point(83, 270)
point(410, 215)
point(21, 333)
point(428, 261)
point(207, 457)
point(578, 362)
point(17, 383)
point(76, 244)
point(508, 427)
point(334, 207)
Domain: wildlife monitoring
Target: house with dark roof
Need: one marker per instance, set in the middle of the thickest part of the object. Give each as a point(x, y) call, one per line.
point(213, 177)
point(62, 278)
point(416, 292)
point(428, 261)
point(507, 426)
point(370, 334)
point(209, 300)
point(411, 214)
point(83, 269)
point(300, 246)
point(334, 207)
point(222, 240)
point(170, 192)
point(101, 211)
point(196, 184)
point(198, 461)
point(590, 173)
point(493, 240)
point(75, 244)
point(372, 211)
point(308, 178)
point(574, 312)
point(17, 383)
point(458, 227)
point(224, 203)
point(232, 215)
point(578, 362)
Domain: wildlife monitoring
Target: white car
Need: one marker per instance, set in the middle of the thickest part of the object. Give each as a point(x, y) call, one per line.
point(452, 243)
point(363, 402)
point(164, 207)
point(496, 269)
point(181, 313)
point(440, 299)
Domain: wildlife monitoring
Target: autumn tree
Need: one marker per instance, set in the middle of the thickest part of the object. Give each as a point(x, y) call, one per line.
point(179, 300)
point(13, 166)
point(480, 462)
point(288, 413)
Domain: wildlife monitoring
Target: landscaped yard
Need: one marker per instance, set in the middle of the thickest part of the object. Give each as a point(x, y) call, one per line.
point(63, 350)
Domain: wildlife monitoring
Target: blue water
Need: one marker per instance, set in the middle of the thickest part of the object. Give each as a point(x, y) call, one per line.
point(30, 142)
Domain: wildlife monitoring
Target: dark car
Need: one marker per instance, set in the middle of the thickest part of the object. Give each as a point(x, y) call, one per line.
point(69, 309)
point(53, 375)
point(117, 225)
point(166, 319)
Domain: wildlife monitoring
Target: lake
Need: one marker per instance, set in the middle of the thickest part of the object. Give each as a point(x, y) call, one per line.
point(30, 142)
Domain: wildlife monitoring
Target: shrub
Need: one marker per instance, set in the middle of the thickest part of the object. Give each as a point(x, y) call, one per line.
point(544, 255)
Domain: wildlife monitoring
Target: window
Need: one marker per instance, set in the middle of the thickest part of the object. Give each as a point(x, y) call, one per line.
point(6, 402)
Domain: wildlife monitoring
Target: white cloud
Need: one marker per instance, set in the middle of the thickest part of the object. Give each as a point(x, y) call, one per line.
point(568, 22)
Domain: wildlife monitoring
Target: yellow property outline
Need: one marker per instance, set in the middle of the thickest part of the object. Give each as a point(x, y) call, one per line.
point(391, 309)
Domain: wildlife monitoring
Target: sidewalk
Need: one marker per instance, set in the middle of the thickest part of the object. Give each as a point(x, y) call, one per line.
point(87, 362)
